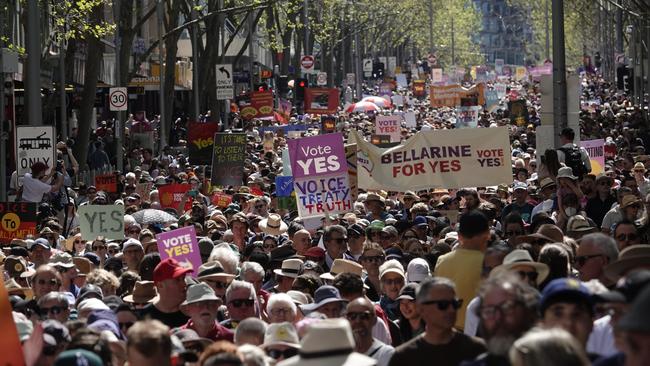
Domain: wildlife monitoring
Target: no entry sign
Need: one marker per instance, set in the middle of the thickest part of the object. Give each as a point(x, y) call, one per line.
point(307, 64)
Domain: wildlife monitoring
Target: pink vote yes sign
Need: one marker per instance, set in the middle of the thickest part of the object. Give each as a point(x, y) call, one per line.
point(181, 244)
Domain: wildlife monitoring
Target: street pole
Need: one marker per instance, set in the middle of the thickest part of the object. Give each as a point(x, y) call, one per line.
point(548, 41)
point(64, 112)
point(251, 51)
point(559, 71)
point(33, 74)
point(3, 134)
point(306, 15)
point(118, 127)
point(357, 58)
point(430, 2)
point(222, 43)
point(163, 125)
point(195, 63)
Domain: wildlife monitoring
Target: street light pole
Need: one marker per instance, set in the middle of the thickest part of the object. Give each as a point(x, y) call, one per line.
point(163, 125)
point(548, 41)
point(357, 56)
point(559, 71)
point(195, 63)
point(33, 74)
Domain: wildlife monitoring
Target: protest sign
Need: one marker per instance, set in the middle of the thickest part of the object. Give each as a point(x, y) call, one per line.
point(498, 65)
point(467, 117)
point(596, 151)
point(17, 220)
point(386, 89)
point(106, 182)
point(181, 244)
point(34, 144)
point(288, 203)
point(398, 100)
point(491, 100)
point(328, 124)
point(389, 125)
point(409, 119)
point(257, 104)
point(221, 200)
point(382, 141)
point(283, 186)
point(228, 158)
point(518, 112)
point(351, 158)
point(401, 80)
point(101, 220)
point(520, 72)
point(200, 139)
point(143, 189)
point(171, 195)
point(320, 173)
point(283, 114)
point(321, 100)
point(419, 88)
point(476, 157)
point(500, 88)
point(436, 75)
point(283, 129)
point(450, 95)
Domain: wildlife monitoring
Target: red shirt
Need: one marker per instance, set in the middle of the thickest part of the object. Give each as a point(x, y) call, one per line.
point(218, 332)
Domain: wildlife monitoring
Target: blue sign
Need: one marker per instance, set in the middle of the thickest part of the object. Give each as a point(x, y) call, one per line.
point(283, 186)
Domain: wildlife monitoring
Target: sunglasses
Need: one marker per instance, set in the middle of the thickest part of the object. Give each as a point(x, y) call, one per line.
point(51, 282)
point(269, 246)
point(276, 353)
point(259, 206)
point(445, 304)
point(364, 316)
point(243, 302)
point(582, 259)
point(627, 237)
point(55, 310)
point(532, 276)
point(373, 258)
point(77, 242)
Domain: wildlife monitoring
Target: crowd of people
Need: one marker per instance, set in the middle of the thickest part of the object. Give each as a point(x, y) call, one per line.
point(551, 269)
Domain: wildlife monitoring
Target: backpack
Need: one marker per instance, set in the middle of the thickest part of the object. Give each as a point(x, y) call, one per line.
point(573, 159)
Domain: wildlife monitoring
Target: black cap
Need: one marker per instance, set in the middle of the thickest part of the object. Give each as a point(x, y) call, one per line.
point(89, 291)
point(568, 133)
point(408, 291)
point(638, 318)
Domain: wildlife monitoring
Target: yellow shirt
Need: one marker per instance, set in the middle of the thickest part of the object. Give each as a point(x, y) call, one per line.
point(463, 266)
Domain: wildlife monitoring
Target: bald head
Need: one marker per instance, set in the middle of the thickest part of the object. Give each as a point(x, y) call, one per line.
point(301, 241)
point(362, 317)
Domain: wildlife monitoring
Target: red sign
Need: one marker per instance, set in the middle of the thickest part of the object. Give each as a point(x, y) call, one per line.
point(17, 220)
point(307, 61)
point(221, 200)
point(258, 104)
point(106, 183)
point(171, 195)
point(419, 88)
point(321, 100)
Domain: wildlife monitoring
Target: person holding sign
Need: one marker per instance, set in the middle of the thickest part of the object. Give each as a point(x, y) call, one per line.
point(169, 279)
point(34, 183)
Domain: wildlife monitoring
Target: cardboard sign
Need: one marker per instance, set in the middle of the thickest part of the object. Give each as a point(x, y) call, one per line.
point(328, 124)
point(200, 140)
point(101, 220)
point(17, 220)
point(475, 157)
point(34, 144)
point(389, 125)
point(596, 151)
point(321, 100)
point(500, 88)
point(258, 104)
point(491, 99)
point(221, 200)
point(409, 119)
point(450, 95)
point(181, 244)
point(518, 112)
point(419, 88)
point(143, 189)
point(320, 174)
point(436, 75)
point(467, 117)
point(228, 159)
point(520, 72)
point(171, 195)
point(106, 182)
point(283, 186)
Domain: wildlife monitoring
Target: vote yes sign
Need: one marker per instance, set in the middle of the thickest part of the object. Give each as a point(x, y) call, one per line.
point(389, 125)
point(180, 244)
point(101, 220)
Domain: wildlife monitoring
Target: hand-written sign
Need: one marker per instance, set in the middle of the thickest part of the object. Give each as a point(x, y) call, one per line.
point(17, 220)
point(200, 139)
point(106, 182)
point(180, 244)
point(101, 220)
point(228, 159)
point(283, 186)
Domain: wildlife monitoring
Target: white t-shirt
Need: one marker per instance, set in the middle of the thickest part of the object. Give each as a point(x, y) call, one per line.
point(381, 352)
point(601, 339)
point(34, 189)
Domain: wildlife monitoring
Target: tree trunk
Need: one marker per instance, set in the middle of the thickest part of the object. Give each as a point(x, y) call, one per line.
point(94, 54)
point(171, 48)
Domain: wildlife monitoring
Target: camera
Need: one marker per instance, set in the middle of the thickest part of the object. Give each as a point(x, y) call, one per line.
point(59, 166)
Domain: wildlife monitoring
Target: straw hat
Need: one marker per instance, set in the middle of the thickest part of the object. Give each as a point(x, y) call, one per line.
point(628, 259)
point(375, 197)
point(143, 292)
point(521, 257)
point(273, 225)
point(343, 266)
point(566, 172)
point(629, 200)
point(213, 269)
point(290, 268)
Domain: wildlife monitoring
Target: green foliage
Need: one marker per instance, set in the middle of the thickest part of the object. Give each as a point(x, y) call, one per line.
point(71, 20)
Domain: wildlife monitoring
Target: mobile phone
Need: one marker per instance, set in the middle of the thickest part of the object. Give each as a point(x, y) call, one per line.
point(193, 193)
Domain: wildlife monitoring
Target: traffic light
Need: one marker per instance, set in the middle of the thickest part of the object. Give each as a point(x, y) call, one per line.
point(300, 86)
point(283, 84)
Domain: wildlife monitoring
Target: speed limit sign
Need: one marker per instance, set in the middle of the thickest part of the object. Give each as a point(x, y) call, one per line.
point(117, 98)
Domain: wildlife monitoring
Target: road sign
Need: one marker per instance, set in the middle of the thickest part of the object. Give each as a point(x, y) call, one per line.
point(367, 67)
point(321, 79)
point(34, 144)
point(307, 64)
point(351, 78)
point(225, 89)
point(118, 99)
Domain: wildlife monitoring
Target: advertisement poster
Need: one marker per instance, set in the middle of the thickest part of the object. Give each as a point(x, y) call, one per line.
point(474, 157)
point(17, 220)
point(258, 104)
point(101, 220)
point(596, 151)
point(389, 125)
point(200, 138)
point(321, 100)
point(180, 244)
point(228, 158)
point(320, 172)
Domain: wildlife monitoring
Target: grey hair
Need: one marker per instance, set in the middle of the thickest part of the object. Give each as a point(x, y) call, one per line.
point(281, 299)
point(54, 296)
point(431, 282)
point(251, 267)
point(240, 285)
point(252, 355)
point(548, 347)
point(250, 327)
point(508, 281)
point(606, 243)
point(226, 256)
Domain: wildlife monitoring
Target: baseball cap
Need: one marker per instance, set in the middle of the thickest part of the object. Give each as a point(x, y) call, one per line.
point(565, 290)
point(42, 242)
point(420, 221)
point(520, 186)
point(132, 243)
point(169, 269)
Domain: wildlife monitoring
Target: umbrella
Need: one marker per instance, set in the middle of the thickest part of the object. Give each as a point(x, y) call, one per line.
point(363, 107)
point(153, 216)
point(379, 101)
